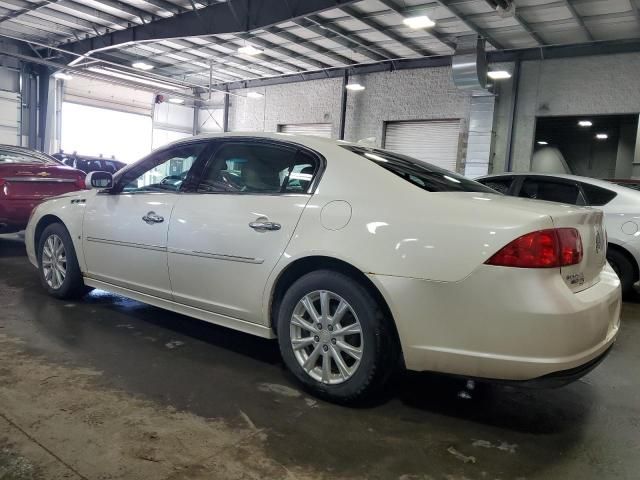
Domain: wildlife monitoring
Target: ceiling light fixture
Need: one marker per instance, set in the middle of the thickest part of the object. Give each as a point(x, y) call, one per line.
point(254, 95)
point(249, 50)
point(499, 75)
point(602, 136)
point(542, 142)
point(142, 66)
point(420, 21)
point(585, 123)
point(62, 76)
point(177, 101)
point(356, 87)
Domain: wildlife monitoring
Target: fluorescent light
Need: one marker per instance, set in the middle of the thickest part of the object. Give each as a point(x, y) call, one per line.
point(178, 101)
point(499, 75)
point(62, 76)
point(249, 50)
point(585, 123)
point(420, 21)
point(602, 136)
point(133, 78)
point(142, 66)
point(254, 95)
point(355, 87)
point(542, 142)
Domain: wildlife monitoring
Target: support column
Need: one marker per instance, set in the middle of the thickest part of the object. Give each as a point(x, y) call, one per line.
point(343, 105)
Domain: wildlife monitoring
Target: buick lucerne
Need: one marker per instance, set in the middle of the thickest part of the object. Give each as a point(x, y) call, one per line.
point(358, 260)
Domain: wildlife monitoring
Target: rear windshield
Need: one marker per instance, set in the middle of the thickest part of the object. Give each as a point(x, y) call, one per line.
point(421, 174)
point(17, 156)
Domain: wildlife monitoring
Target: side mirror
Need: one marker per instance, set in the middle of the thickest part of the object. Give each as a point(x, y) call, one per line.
point(98, 180)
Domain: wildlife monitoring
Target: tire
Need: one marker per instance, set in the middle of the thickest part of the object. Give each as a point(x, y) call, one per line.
point(71, 285)
point(379, 350)
point(623, 268)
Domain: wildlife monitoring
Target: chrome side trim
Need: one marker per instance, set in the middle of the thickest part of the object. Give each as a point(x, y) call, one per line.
point(40, 179)
point(143, 246)
point(217, 256)
point(216, 318)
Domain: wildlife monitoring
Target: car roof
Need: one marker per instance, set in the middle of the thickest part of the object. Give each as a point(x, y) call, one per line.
point(619, 189)
point(310, 141)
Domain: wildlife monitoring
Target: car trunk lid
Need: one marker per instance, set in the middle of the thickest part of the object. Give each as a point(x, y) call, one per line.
point(32, 181)
point(588, 222)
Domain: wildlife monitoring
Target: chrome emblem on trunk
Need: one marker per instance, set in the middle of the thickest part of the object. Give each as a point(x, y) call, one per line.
point(598, 241)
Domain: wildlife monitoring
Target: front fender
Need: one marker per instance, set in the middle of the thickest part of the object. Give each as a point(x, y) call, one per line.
point(68, 210)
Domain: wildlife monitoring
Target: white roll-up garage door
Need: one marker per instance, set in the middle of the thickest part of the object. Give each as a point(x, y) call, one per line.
point(432, 141)
point(96, 93)
point(314, 129)
point(9, 118)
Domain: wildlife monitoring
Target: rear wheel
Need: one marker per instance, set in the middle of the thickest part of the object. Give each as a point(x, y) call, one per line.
point(623, 268)
point(59, 270)
point(334, 338)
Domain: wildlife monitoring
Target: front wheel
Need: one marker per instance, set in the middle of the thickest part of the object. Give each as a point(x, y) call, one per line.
point(59, 270)
point(334, 337)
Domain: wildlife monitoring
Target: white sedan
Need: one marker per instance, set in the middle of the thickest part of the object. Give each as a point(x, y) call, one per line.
point(621, 207)
point(357, 259)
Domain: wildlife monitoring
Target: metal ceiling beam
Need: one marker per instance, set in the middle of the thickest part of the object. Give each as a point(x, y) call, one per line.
point(273, 47)
point(404, 41)
point(344, 37)
point(308, 44)
point(229, 17)
point(579, 19)
point(433, 31)
point(28, 7)
point(165, 5)
point(471, 25)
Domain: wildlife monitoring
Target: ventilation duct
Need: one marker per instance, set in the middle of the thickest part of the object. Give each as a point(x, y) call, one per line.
point(470, 63)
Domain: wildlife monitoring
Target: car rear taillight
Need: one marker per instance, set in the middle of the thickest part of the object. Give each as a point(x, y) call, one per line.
point(3, 187)
point(552, 248)
point(80, 183)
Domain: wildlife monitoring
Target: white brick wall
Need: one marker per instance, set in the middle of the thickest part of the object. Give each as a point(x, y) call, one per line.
point(604, 84)
point(389, 96)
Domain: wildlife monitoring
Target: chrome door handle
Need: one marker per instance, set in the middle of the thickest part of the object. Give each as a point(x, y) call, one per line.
point(264, 226)
point(151, 218)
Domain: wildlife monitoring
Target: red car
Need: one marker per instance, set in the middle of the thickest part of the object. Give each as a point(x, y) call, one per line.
point(28, 177)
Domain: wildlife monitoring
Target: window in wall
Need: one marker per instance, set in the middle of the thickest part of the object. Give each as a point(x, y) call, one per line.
point(162, 137)
point(96, 131)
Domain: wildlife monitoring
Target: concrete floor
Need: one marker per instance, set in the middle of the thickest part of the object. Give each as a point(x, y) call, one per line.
point(108, 388)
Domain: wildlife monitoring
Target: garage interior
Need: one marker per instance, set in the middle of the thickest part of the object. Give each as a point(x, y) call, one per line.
point(111, 388)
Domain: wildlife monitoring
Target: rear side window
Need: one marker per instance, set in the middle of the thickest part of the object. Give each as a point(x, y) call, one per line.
point(421, 174)
point(597, 196)
point(560, 192)
point(501, 184)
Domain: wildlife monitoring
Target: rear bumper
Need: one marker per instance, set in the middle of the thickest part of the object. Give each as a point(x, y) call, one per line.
point(14, 213)
point(502, 323)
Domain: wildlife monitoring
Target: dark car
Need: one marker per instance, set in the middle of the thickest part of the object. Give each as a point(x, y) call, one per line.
point(92, 164)
point(27, 177)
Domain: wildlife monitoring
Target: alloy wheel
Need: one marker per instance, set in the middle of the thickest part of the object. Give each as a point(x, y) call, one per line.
point(326, 337)
point(54, 261)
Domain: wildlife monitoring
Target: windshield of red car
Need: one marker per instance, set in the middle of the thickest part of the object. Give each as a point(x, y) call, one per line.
point(421, 174)
point(16, 156)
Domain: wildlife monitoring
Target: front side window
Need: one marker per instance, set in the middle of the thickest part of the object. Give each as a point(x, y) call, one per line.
point(560, 192)
point(246, 167)
point(421, 174)
point(165, 171)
